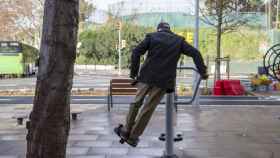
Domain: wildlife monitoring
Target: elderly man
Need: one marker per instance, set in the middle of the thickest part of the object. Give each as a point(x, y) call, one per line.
point(157, 76)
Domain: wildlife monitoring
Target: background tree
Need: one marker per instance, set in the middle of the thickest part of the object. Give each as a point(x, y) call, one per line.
point(49, 124)
point(251, 5)
point(226, 17)
point(21, 20)
point(8, 11)
point(99, 44)
point(86, 10)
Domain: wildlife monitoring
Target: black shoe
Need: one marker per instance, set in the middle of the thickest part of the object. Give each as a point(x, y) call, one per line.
point(124, 135)
point(132, 142)
point(121, 132)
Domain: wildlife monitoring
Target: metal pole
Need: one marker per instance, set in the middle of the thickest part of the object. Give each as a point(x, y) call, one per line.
point(170, 116)
point(268, 14)
point(169, 127)
point(196, 35)
point(196, 45)
point(119, 50)
point(277, 21)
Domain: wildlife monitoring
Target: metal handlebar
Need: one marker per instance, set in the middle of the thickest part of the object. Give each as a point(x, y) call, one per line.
point(196, 87)
point(188, 68)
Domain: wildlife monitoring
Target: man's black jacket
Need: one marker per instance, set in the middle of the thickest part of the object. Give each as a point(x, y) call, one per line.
point(164, 50)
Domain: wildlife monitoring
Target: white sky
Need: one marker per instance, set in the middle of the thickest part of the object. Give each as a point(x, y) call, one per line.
point(103, 4)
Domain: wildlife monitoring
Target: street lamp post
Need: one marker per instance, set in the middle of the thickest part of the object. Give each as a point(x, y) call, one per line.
point(268, 9)
point(277, 14)
point(120, 47)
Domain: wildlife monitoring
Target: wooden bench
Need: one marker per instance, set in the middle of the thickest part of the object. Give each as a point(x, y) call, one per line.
point(120, 87)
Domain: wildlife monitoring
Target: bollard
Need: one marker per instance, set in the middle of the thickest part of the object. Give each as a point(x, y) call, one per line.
point(169, 136)
point(169, 144)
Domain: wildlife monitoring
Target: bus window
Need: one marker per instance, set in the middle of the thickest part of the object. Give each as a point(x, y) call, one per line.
point(10, 47)
point(14, 44)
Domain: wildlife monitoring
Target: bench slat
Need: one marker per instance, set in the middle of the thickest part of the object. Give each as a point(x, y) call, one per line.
point(122, 85)
point(121, 90)
point(122, 94)
point(123, 80)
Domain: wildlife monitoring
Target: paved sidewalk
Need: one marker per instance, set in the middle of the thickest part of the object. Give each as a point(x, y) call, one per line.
point(211, 132)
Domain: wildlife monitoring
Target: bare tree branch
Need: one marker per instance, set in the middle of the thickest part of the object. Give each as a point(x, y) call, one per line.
point(205, 19)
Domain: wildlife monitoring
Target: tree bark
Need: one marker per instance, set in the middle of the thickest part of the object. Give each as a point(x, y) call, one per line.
point(49, 124)
point(219, 35)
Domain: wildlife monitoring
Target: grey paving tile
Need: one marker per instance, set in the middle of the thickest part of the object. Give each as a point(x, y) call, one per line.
point(82, 137)
point(149, 138)
point(77, 131)
point(129, 156)
point(146, 151)
point(93, 144)
point(197, 153)
point(12, 148)
point(102, 132)
point(157, 144)
point(276, 140)
point(13, 137)
point(108, 151)
point(71, 143)
point(96, 156)
point(77, 151)
point(86, 124)
point(13, 131)
point(103, 119)
point(246, 153)
point(117, 144)
point(98, 128)
point(108, 137)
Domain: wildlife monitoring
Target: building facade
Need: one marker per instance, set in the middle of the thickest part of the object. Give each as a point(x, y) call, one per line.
point(150, 13)
point(178, 13)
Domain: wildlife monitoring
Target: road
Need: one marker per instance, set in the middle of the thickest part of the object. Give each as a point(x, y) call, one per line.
point(204, 100)
point(93, 79)
point(80, 81)
point(84, 81)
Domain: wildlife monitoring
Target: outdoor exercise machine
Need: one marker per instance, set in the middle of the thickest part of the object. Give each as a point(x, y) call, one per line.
point(271, 62)
point(168, 137)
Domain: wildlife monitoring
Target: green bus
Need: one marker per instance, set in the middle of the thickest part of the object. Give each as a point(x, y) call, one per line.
point(17, 59)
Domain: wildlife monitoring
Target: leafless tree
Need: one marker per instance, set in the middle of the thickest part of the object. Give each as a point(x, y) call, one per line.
point(226, 17)
point(21, 20)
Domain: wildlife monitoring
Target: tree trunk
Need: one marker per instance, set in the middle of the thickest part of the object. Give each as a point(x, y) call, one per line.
point(218, 61)
point(219, 35)
point(49, 124)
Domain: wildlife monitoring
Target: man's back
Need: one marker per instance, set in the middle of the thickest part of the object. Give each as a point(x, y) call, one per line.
point(160, 65)
point(164, 50)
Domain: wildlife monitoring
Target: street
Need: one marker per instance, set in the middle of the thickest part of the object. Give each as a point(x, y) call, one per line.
point(80, 81)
